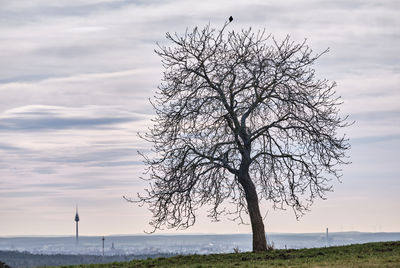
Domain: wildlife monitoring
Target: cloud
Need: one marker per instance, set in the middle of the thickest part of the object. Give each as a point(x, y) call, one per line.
point(44, 118)
point(87, 156)
point(68, 151)
point(392, 116)
point(129, 89)
point(9, 147)
point(375, 139)
point(53, 123)
point(118, 163)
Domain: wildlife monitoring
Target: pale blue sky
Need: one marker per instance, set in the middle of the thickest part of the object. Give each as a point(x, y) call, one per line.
point(74, 82)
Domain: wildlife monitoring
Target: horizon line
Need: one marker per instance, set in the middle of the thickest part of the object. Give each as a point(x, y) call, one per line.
point(189, 234)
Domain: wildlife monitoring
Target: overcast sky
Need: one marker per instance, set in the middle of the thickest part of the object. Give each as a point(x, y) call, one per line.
point(75, 80)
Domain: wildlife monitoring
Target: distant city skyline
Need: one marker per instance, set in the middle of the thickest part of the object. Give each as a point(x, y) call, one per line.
point(74, 88)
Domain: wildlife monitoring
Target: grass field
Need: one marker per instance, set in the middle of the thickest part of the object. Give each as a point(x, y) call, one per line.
point(383, 254)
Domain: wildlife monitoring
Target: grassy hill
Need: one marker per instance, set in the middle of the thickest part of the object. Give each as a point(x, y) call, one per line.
point(383, 254)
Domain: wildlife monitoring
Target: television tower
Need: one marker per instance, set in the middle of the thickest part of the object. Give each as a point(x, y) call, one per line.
point(327, 238)
point(77, 220)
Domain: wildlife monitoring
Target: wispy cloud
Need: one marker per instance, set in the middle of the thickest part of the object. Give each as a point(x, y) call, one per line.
point(44, 118)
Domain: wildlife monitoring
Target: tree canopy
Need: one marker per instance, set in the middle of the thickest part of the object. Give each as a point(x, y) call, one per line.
point(241, 117)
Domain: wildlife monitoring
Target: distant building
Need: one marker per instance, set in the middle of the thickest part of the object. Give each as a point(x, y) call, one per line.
point(77, 220)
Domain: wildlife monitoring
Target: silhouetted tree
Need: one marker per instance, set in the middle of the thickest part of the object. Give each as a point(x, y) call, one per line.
point(240, 118)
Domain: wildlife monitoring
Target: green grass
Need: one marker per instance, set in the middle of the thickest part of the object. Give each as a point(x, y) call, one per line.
point(383, 254)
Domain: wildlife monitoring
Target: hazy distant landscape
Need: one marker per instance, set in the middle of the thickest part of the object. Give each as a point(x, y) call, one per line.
point(143, 246)
point(182, 244)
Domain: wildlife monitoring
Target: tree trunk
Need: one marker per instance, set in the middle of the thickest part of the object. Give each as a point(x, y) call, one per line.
point(257, 225)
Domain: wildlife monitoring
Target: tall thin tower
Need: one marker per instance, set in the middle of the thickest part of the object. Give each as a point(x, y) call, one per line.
point(327, 238)
point(77, 220)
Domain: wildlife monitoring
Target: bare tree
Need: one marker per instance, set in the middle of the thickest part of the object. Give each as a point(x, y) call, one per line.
point(240, 118)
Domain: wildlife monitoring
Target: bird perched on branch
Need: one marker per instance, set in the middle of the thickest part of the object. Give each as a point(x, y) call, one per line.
point(230, 19)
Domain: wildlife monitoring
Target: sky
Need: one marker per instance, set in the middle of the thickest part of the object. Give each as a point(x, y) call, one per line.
point(75, 80)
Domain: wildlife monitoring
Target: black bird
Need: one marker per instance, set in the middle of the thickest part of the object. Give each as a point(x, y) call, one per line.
point(230, 19)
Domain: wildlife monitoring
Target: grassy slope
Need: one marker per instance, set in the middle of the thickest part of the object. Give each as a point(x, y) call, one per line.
point(384, 254)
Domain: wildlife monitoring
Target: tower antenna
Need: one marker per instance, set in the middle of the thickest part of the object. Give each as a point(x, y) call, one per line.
point(77, 220)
